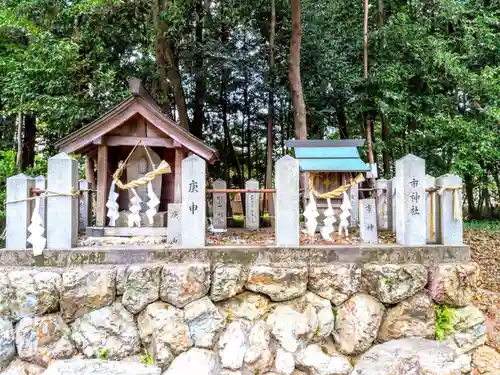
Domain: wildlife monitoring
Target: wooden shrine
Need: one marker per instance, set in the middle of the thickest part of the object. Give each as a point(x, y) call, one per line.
point(328, 165)
point(139, 132)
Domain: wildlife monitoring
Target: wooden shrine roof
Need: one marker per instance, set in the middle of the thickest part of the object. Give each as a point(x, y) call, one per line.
point(139, 103)
point(329, 155)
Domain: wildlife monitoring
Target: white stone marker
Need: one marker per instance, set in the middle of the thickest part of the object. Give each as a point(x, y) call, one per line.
point(383, 193)
point(431, 206)
point(287, 202)
point(219, 209)
point(393, 204)
point(252, 215)
point(84, 207)
point(354, 198)
point(368, 221)
point(450, 222)
point(193, 215)
point(41, 183)
point(62, 210)
point(410, 200)
point(18, 213)
point(174, 231)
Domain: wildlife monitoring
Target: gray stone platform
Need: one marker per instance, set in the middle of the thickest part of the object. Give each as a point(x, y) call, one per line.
point(299, 256)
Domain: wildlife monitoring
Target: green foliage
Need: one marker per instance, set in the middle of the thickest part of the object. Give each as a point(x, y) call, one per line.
point(146, 358)
point(388, 280)
point(103, 353)
point(445, 318)
point(482, 224)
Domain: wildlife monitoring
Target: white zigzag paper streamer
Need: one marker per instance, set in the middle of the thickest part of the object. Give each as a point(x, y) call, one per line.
point(112, 205)
point(344, 215)
point(311, 213)
point(36, 229)
point(133, 217)
point(152, 204)
point(329, 219)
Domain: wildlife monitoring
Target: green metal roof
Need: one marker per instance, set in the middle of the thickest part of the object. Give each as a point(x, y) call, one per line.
point(329, 155)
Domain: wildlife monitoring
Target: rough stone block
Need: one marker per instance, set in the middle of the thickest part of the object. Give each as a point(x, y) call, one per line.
point(34, 293)
point(453, 284)
point(7, 342)
point(335, 282)
point(280, 284)
point(204, 321)
point(43, 339)
point(184, 283)
point(392, 283)
point(100, 367)
point(414, 317)
point(164, 332)
point(18, 367)
point(111, 330)
point(356, 324)
point(227, 281)
point(247, 305)
point(85, 290)
point(195, 361)
point(141, 286)
point(469, 329)
point(313, 359)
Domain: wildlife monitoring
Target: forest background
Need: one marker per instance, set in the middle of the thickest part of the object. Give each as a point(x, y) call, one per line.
point(223, 69)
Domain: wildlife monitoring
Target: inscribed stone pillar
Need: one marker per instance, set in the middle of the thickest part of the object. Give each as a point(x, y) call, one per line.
point(431, 200)
point(252, 205)
point(62, 210)
point(393, 204)
point(18, 213)
point(174, 224)
point(383, 189)
point(354, 198)
point(410, 201)
point(219, 209)
point(84, 206)
point(450, 222)
point(41, 183)
point(193, 202)
point(287, 202)
point(368, 221)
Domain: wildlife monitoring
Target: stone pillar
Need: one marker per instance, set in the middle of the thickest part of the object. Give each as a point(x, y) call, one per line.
point(451, 227)
point(287, 202)
point(174, 224)
point(368, 221)
point(431, 206)
point(193, 202)
point(384, 203)
point(410, 201)
point(393, 203)
point(354, 198)
point(62, 210)
point(219, 205)
point(252, 215)
point(41, 183)
point(18, 214)
point(84, 206)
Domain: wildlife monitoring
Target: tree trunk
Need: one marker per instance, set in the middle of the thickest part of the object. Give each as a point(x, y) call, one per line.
point(469, 189)
point(270, 112)
point(368, 124)
point(20, 129)
point(249, 133)
point(160, 48)
point(386, 155)
point(200, 86)
point(170, 61)
point(299, 107)
point(342, 120)
point(28, 155)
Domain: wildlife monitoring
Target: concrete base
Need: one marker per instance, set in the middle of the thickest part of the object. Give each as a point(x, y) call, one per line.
point(246, 255)
point(126, 231)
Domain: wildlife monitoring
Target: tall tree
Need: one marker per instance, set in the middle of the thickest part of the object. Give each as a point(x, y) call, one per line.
point(299, 107)
point(270, 109)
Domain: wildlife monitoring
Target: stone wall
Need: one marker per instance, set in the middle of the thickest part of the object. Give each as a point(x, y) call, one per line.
point(202, 318)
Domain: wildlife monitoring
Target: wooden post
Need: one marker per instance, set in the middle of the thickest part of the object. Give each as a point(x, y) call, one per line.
point(102, 185)
point(179, 155)
point(89, 170)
